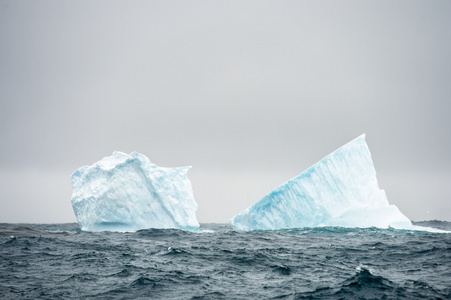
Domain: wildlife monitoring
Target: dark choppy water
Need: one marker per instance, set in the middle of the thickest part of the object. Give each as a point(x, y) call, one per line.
point(57, 261)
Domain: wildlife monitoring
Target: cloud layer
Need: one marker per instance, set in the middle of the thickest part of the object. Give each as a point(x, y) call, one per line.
point(250, 93)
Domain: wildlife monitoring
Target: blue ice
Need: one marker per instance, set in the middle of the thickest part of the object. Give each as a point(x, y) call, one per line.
point(339, 190)
point(125, 192)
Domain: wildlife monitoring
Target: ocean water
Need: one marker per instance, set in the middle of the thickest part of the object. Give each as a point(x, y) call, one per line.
point(57, 261)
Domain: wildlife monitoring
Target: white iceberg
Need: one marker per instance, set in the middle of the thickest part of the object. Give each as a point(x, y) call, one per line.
point(340, 190)
point(127, 192)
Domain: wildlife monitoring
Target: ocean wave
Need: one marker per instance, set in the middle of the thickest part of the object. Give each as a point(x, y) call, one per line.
point(305, 263)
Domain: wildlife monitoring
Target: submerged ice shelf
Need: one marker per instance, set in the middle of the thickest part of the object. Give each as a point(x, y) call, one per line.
point(339, 190)
point(125, 192)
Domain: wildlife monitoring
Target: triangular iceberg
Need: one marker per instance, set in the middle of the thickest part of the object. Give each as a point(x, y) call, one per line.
point(339, 190)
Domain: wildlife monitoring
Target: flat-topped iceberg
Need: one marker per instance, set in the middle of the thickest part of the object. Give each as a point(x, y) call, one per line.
point(125, 192)
point(340, 190)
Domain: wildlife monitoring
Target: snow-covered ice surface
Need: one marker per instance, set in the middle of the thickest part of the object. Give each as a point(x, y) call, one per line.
point(339, 190)
point(125, 192)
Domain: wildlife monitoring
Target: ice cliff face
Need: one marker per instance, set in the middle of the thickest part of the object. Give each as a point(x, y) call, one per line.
point(339, 190)
point(127, 192)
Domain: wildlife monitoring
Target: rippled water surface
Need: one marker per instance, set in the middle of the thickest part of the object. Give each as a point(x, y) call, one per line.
point(59, 261)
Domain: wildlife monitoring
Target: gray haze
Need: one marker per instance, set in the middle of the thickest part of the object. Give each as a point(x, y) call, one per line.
point(250, 93)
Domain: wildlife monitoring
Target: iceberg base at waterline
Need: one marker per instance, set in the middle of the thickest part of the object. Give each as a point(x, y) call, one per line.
point(339, 190)
point(125, 192)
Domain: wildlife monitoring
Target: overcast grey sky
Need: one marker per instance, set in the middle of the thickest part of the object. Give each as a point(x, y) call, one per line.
point(250, 93)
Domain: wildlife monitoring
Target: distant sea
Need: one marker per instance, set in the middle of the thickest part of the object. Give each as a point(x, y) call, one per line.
point(58, 261)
